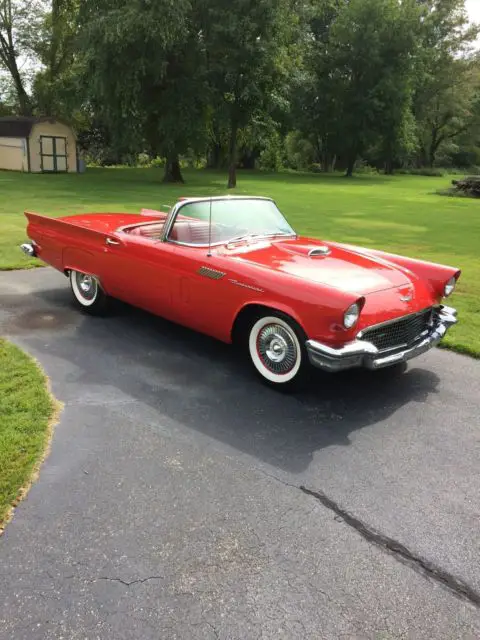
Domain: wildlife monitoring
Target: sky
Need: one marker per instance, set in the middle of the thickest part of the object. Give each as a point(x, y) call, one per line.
point(473, 8)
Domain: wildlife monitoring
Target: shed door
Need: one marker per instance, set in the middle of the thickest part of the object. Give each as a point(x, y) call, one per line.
point(53, 153)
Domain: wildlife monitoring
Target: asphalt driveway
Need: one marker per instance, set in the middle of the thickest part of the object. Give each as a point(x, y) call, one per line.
point(182, 499)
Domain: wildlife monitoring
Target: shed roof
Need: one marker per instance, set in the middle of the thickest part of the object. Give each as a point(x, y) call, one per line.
point(19, 126)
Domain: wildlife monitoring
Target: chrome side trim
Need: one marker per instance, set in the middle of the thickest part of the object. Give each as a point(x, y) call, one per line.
point(361, 353)
point(247, 286)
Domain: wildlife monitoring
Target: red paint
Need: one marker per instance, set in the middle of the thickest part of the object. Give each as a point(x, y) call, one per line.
point(163, 278)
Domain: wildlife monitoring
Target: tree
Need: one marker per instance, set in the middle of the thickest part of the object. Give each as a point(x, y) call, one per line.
point(314, 101)
point(141, 74)
point(354, 89)
point(445, 88)
point(246, 47)
point(372, 43)
point(20, 22)
point(56, 52)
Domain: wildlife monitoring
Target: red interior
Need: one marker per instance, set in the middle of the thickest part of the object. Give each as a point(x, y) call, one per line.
point(189, 232)
point(153, 231)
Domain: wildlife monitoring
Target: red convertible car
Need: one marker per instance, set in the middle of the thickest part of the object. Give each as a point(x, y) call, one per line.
point(232, 267)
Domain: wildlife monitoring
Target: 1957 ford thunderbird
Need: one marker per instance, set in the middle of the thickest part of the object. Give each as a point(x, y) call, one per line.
point(232, 267)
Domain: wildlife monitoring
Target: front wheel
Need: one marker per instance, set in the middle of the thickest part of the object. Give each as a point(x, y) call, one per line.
point(277, 352)
point(88, 293)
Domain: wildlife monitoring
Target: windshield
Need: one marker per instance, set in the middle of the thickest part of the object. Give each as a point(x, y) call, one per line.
point(232, 219)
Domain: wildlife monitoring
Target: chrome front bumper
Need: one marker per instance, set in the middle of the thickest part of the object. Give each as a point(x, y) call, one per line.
point(361, 353)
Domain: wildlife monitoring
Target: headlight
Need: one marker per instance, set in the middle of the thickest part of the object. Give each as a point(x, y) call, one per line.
point(350, 317)
point(449, 287)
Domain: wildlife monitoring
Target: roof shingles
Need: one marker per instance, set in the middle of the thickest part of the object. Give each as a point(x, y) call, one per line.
point(19, 126)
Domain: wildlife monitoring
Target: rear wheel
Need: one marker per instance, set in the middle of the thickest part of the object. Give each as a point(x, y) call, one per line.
point(88, 293)
point(277, 352)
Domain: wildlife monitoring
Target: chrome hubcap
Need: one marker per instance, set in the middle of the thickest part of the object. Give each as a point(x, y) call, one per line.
point(87, 285)
point(277, 348)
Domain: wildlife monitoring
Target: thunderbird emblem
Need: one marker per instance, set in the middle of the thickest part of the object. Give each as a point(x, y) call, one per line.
point(407, 297)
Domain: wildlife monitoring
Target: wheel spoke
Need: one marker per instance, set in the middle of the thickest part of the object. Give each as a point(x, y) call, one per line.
point(277, 349)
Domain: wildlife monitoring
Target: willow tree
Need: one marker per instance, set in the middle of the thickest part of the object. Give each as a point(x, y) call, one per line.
point(141, 73)
point(246, 44)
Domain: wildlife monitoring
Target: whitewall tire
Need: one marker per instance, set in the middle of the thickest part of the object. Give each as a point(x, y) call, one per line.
point(277, 352)
point(87, 292)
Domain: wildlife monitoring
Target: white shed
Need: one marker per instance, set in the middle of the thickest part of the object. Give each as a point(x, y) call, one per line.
point(37, 145)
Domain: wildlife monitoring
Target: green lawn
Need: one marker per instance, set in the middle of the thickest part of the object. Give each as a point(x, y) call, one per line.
point(402, 214)
point(26, 409)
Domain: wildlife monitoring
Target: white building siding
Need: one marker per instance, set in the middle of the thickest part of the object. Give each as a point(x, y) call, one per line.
point(13, 154)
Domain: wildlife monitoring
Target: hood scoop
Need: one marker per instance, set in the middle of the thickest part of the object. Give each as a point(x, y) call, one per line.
point(306, 250)
point(318, 252)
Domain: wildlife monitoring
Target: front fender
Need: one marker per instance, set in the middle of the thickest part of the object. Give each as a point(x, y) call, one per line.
point(433, 274)
point(272, 304)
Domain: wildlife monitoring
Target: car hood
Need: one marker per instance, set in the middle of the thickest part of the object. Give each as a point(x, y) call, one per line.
point(329, 264)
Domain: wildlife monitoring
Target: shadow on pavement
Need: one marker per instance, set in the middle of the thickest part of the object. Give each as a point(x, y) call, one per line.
point(199, 383)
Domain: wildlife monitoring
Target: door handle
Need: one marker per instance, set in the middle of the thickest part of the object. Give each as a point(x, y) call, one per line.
point(110, 241)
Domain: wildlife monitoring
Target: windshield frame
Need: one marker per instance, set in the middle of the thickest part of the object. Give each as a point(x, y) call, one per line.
point(176, 209)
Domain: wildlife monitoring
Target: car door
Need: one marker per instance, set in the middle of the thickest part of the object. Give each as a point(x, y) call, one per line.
point(202, 293)
point(137, 270)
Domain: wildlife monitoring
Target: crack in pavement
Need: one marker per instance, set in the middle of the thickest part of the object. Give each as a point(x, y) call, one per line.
point(399, 551)
point(214, 629)
point(396, 549)
point(132, 582)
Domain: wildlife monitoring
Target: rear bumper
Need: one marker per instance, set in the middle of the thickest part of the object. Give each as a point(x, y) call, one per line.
point(361, 353)
point(28, 249)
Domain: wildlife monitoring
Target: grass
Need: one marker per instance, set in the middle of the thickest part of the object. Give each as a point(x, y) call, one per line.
point(402, 214)
point(26, 412)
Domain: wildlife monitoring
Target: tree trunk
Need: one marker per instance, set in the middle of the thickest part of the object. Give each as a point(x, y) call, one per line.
point(24, 103)
point(328, 159)
point(247, 161)
point(214, 159)
point(172, 169)
point(232, 156)
point(351, 159)
point(388, 166)
point(434, 144)
point(325, 160)
point(328, 162)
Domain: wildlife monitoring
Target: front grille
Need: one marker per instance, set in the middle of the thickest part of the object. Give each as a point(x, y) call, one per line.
point(399, 333)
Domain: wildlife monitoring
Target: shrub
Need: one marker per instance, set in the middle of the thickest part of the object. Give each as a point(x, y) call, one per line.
point(432, 172)
point(157, 162)
point(272, 156)
point(143, 160)
point(299, 151)
point(365, 168)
